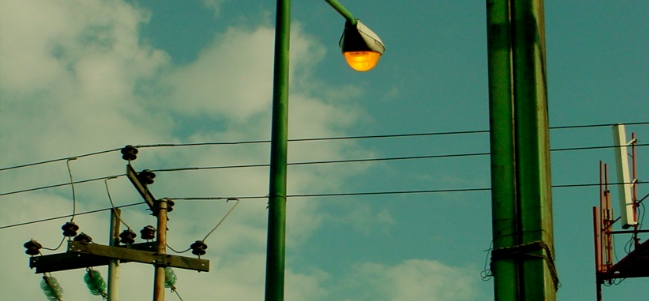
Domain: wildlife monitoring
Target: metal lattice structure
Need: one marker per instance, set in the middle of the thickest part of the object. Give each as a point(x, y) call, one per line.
point(636, 261)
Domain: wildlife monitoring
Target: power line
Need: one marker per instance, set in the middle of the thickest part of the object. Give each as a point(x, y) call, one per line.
point(66, 216)
point(306, 140)
point(597, 125)
point(375, 159)
point(310, 163)
point(59, 185)
point(319, 195)
point(394, 192)
point(594, 147)
point(312, 195)
point(60, 159)
point(323, 162)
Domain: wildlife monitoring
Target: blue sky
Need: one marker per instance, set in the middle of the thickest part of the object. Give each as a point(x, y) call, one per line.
point(86, 76)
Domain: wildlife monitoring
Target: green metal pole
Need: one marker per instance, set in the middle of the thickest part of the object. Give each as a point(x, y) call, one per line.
point(503, 181)
point(532, 147)
point(276, 240)
point(343, 11)
point(521, 195)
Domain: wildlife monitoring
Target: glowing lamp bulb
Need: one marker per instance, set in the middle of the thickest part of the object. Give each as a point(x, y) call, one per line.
point(362, 60)
point(361, 47)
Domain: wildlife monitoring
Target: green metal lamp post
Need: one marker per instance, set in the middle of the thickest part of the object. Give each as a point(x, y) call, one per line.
point(362, 49)
point(523, 255)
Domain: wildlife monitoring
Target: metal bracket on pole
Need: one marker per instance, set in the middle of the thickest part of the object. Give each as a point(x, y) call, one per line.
point(141, 188)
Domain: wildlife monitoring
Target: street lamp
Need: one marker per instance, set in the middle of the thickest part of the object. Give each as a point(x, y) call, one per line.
point(361, 48)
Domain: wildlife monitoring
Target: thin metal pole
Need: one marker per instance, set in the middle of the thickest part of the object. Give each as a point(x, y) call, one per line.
point(113, 265)
point(276, 240)
point(159, 279)
point(598, 252)
point(503, 181)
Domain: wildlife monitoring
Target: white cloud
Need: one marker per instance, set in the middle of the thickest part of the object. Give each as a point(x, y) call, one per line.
point(413, 280)
point(76, 77)
point(69, 70)
point(231, 79)
point(213, 4)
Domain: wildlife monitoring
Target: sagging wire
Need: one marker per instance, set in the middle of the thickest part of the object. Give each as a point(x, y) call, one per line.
point(57, 247)
point(224, 217)
point(176, 251)
point(70, 227)
point(119, 216)
point(198, 247)
point(74, 195)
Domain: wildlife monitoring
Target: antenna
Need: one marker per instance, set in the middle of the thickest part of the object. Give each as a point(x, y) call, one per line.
point(624, 184)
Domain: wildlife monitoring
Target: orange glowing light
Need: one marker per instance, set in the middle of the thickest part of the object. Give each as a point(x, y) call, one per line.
point(362, 60)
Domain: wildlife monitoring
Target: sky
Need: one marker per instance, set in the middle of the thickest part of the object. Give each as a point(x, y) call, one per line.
point(89, 77)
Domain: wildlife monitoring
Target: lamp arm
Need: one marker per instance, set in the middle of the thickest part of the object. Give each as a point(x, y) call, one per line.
point(342, 11)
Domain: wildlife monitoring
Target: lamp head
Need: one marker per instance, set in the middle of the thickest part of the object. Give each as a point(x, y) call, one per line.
point(361, 47)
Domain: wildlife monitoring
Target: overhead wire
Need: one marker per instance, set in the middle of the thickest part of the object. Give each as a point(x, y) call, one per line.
point(60, 159)
point(314, 195)
point(60, 185)
point(66, 216)
point(224, 217)
point(323, 162)
point(176, 251)
point(215, 227)
point(72, 182)
point(110, 198)
point(310, 163)
point(74, 204)
point(74, 195)
point(57, 247)
point(370, 193)
point(309, 139)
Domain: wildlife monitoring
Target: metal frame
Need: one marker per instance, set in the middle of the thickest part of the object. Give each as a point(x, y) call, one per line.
point(635, 263)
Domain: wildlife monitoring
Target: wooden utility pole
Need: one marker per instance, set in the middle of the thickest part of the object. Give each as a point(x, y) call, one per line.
point(85, 254)
point(113, 265)
point(159, 283)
